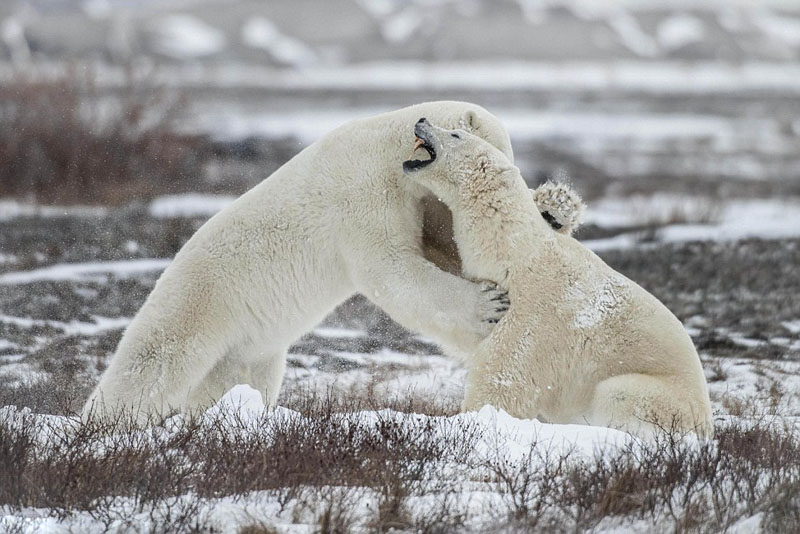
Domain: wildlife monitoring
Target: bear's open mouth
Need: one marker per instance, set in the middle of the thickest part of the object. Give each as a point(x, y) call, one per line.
point(423, 141)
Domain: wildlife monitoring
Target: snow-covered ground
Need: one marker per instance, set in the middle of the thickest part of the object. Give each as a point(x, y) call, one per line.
point(727, 220)
point(635, 94)
point(480, 497)
point(627, 76)
point(71, 313)
point(499, 437)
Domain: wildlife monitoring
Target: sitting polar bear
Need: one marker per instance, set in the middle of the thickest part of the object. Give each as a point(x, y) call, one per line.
point(580, 343)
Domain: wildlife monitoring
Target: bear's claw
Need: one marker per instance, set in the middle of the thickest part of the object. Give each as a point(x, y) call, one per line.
point(498, 302)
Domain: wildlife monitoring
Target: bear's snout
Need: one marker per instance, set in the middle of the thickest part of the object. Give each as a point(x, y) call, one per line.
point(422, 129)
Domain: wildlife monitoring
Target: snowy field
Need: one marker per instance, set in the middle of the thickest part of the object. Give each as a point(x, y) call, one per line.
point(477, 472)
point(729, 281)
point(679, 123)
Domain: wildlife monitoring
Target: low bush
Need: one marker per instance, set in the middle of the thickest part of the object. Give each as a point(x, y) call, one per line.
point(63, 140)
point(382, 471)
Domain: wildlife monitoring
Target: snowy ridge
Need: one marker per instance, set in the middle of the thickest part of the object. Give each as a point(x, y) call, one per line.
point(188, 205)
point(72, 328)
point(186, 36)
point(589, 131)
point(11, 209)
point(259, 32)
point(736, 220)
point(83, 271)
point(626, 75)
point(665, 77)
point(511, 436)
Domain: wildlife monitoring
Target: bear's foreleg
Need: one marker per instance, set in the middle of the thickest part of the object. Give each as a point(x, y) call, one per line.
point(455, 312)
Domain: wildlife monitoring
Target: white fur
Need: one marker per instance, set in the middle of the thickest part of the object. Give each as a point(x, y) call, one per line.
point(581, 343)
point(338, 218)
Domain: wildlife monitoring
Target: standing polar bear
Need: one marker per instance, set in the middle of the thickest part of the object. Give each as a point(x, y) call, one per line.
point(580, 343)
point(337, 219)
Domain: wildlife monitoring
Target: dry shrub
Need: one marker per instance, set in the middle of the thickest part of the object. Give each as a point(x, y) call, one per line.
point(366, 396)
point(64, 140)
point(46, 394)
point(168, 469)
point(528, 487)
point(330, 463)
point(704, 487)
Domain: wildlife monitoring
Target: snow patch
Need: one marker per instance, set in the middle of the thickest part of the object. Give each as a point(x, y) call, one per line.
point(680, 30)
point(747, 525)
point(329, 331)
point(631, 34)
point(513, 438)
point(72, 328)
point(242, 402)
point(745, 341)
point(585, 130)
point(736, 220)
point(780, 28)
point(662, 77)
point(262, 33)
point(84, 271)
point(507, 435)
point(10, 209)
point(399, 28)
point(792, 326)
point(185, 37)
point(379, 9)
point(188, 205)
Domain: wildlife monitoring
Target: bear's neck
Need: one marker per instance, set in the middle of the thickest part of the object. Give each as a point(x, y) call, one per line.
point(496, 229)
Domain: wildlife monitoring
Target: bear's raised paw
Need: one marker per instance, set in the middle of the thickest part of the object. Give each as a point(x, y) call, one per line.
point(560, 206)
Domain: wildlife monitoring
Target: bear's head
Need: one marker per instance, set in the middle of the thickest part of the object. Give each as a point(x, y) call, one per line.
point(458, 162)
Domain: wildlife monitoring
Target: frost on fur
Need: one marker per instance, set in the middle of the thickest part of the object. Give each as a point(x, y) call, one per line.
point(560, 206)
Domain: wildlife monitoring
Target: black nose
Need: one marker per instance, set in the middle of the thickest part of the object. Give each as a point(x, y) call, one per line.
point(423, 120)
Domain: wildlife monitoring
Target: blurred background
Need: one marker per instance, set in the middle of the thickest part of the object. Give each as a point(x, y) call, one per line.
point(124, 125)
point(622, 96)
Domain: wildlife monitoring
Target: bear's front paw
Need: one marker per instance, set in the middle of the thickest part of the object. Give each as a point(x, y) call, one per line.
point(495, 302)
point(560, 205)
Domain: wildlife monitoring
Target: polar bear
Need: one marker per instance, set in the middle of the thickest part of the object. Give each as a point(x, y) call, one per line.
point(580, 343)
point(337, 219)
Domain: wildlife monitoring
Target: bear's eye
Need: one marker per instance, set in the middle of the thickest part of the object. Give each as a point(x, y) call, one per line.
point(455, 135)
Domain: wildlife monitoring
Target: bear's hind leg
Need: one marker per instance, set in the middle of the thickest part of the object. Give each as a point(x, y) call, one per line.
point(151, 378)
point(647, 406)
point(266, 374)
point(226, 373)
point(259, 369)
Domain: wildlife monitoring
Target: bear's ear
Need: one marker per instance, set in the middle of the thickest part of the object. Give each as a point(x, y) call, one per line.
point(559, 205)
point(470, 121)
